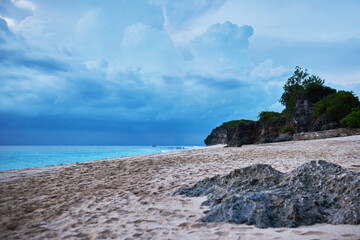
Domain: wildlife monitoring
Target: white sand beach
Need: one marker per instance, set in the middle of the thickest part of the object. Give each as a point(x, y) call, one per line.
point(131, 197)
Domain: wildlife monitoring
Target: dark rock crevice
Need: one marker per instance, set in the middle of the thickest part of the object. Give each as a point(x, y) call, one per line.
point(316, 192)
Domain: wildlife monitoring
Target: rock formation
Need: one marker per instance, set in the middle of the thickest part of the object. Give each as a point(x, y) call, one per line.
point(299, 120)
point(220, 135)
point(339, 132)
point(316, 192)
point(309, 106)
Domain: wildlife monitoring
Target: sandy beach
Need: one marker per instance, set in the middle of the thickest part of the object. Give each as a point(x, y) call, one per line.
point(131, 197)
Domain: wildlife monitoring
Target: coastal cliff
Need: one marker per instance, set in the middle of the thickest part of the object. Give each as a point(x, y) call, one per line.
point(220, 135)
point(310, 106)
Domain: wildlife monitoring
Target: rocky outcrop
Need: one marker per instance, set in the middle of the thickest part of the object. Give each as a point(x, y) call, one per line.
point(340, 132)
point(283, 137)
point(220, 135)
point(298, 119)
point(316, 192)
point(244, 134)
point(259, 132)
point(301, 117)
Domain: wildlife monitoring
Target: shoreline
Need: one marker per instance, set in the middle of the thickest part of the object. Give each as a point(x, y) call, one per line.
point(131, 197)
point(6, 175)
point(44, 151)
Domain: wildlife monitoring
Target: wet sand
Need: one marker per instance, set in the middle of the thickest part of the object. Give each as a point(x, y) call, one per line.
point(131, 197)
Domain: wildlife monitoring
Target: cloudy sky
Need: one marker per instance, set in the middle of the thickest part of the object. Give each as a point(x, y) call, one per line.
point(161, 71)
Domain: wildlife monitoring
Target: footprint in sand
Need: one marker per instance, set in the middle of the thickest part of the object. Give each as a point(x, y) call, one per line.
point(317, 233)
point(258, 234)
point(107, 234)
point(348, 235)
point(222, 233)
point(184, 225)
point(114, 219)
point(198, 225)
point(92, 220)
point(245, 228)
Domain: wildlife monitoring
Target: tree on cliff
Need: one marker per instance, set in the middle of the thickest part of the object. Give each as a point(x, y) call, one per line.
point(301, 83)
point(293, 84)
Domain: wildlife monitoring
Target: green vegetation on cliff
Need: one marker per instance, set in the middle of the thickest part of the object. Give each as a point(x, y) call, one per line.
point(286, 129)
point(337, 105)
point(233, 123)
point(309, 106)
point(270, 117)
point(353, 119)
point(329, 104)
point(301, 84)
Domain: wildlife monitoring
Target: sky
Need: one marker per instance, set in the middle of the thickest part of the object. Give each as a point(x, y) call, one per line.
point(161, 72)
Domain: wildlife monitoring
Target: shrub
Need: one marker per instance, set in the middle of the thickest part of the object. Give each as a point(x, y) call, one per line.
point(353, 119)
point(270, 117)
point(315, 92)
point(337, 105)
point(233, 123)
point(286, 129)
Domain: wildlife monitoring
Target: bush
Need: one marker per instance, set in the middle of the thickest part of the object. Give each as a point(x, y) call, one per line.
point(233, 124)
point(270, 117)
point(353, 119)
point(286, 129)
point(315, 92)
point(337, 105)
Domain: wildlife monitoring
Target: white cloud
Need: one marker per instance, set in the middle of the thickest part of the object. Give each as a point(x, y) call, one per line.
point(180, 15)
point(135, 69)
point(10, 22)
point(24, 4)
point(266, 69)
point(312, 21)
point(100, 64)
point(33, 28)
point(87, 22)
point(222, 51)
point(342, 78)
point(150, 50)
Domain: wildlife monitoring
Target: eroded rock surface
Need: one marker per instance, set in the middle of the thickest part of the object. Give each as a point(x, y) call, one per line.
point(340, 132)
point(220, 135)
point(316, 192)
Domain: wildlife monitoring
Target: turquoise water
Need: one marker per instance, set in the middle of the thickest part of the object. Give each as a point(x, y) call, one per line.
point(18, 157)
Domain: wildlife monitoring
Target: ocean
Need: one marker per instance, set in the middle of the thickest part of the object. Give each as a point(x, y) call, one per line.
point(19, 157)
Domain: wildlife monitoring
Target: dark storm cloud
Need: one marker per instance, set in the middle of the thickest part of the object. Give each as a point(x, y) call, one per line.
point(219, 83)
point(18, 58)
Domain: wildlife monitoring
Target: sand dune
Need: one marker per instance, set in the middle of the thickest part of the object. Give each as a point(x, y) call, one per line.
point(131, 197)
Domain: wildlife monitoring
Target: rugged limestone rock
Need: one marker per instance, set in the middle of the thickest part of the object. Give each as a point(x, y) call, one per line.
point(217, 136)
point(259, 132)
point(220, 135)
point(244, 134)
point(301, 116)
point(284, 137)
point(299, 119)
point(316, 192)
point(340, 132)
